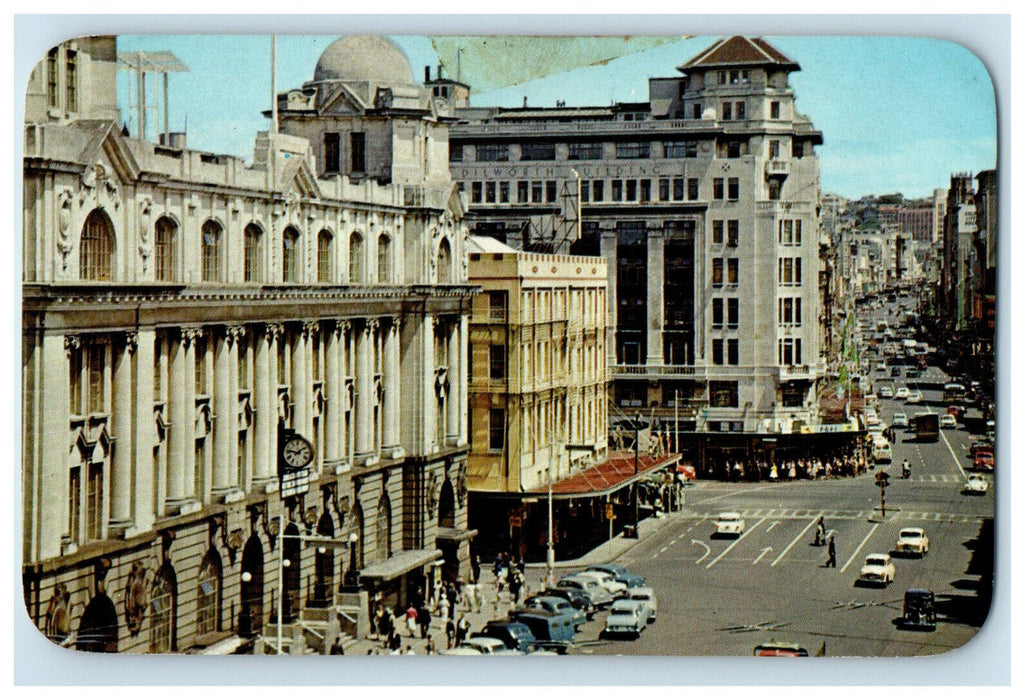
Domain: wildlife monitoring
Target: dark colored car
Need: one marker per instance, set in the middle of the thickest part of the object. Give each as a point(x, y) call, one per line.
point(576, 598)
point(515, 635)
point(919, 608)
point(620, 573)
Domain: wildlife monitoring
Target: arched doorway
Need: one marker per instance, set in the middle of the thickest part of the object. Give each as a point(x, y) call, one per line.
point(252, 586)
point(446, 506)
point(324, 558)
point(446, 519)
point(98, 628)
point(292, 572)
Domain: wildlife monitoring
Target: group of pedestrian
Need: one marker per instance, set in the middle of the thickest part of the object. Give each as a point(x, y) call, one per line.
point(848, 461)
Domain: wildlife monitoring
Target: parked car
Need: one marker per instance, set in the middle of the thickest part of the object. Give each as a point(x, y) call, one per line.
point(947, 421)
point(551, 630)
point(878, 569)
point(477, 646)
point(620, 573)
point(729, 524)
point(626, 617)
point(576, 598)
point(919, 609)
point(984, 459)
point(560, 606)
point(899, 420)
point(600, 597)
point(773, 648)
point(915, 396)
point(976, 485)
point(902, 393)
point(957, 412)
point(647, 597)
point(912, 541)
point(617, 589)
point(882, 450)
point(515, 635)
point(885, 392)
point(882, 367)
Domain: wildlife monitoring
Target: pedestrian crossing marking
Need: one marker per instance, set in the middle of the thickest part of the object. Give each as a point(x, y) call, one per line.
point(760, 513)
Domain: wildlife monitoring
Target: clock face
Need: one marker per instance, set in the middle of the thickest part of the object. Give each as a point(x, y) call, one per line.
point(297, 452)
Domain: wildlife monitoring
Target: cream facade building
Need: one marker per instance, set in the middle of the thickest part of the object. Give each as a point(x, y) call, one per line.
point(185, 313)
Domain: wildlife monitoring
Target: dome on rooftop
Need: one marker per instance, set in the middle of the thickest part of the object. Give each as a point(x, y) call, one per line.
point(373, 59)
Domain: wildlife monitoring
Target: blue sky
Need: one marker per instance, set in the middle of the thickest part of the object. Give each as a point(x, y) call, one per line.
point(898, 114)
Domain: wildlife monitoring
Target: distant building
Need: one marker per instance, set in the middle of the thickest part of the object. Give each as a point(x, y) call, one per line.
point(193, 325)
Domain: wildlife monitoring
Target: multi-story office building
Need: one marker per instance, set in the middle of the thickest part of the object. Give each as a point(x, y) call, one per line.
point(192, 326)
point(917, 220)
point(703, 201)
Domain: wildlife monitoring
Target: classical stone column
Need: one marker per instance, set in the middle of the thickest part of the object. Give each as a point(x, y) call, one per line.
point(264, 394)
point(608, 251)
point(463, 379)
point(122, 430)
point(364, 394)
point(190, 336)
point(238, 342)
point(301, 383)
point(656, 275)
point(452, 425)
point(392, 386)
point(222, 407)
point(146, 438)
point(332, 393)
point(180, 415)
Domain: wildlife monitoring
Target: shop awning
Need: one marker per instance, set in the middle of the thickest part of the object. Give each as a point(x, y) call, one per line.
point(400, 563)
point(606, 477)
point(452, 534)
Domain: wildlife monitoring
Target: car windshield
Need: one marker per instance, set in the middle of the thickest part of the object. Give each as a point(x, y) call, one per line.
point(909, 534)
point(624, 606)
point(876, 560)
point(728, 517)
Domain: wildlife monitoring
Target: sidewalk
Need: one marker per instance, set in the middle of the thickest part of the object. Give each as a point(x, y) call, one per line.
point(495, 608)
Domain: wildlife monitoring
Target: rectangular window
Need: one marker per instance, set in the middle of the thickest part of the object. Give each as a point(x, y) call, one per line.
point(680, 149)
point(331, 153)
point(95, 501)
point(496, 305)
point(734, 149)
point(679, 188)
point(598, 190)
point(664, 190)
point(496, 429)
point(71, 82)
point(52, 78)
point(718, 312)
point(585, 151)
point(492, 152)
point(585, 190)
point(718, 188)
point(646, 190)
point(722, 77)
point(739, 110)
point(537, 151)
point(632, 190)
point(617, 190)
point(775, 110)
point(799, 311)
point(497, 361)
point(536, 192)
point(732, 232)
point(503, 192)
point(693, 188)
point(723, 394)
point(718, 272)
point(718, 232)
point(697, 110)
point(200, 375)
point(732, 188)
point(774, 190)
point(732, 312)
point(775, 149)
point(732, 270)
point(632, 149)
point(732, 351)
point(95, 385)
point(521, 192)
point(75, 381)
point(550, 191)
point(798, 232)
point(798, 150)
point(785, 352)
point(454, 153)
point(490, 192)
point(74, 496)
point(243, 381)
point(358, 164)
point(799, 272)
point(725, 112)
point(718, 352)
point(478, 192)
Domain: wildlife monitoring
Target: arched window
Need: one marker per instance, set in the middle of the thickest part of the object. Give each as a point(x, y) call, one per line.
point(252, 253)
point(209, 594)
point(290, 254)
point(163, 611)
point(444, 263)
point(356, 262)
point(96, 248)
point(384, 260)
point(165, 250)
point(383, 528)
point(211, 251)
point(324, 263)
point(446, 506)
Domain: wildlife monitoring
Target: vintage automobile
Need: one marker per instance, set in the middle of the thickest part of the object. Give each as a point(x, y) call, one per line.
point(598, 595)
point(899, 420)
point(647, 597)
point(918, 609)
point(554, 604)
point(878, 569)
point(477, 646)
point(902, 393)
point(685, 472)
point(912, 541)
point(779, 649)
point(577, 598)
point(915, 396)
point(626, 617)
point(976, 485)
point(882, 450)
point(618, 589)
point(620, 573)
point(983, 458)
point(957, 412)
point(729, 525)
point(947, 420)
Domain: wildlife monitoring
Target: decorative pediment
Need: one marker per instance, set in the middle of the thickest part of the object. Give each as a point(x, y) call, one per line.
point(342, 100)
point(298, 181)
point(93, 442)
point(110, 149)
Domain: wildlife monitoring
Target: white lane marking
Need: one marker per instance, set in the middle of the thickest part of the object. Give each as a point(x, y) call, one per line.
point(707, 550)
point(798, 537)
point(773, 525)
point(681, 536)
point(762, 554)
point(672, 542)
point(729, 493)
point(735, 543)
point(954, 455)
point(859, 547)
point(664, 549)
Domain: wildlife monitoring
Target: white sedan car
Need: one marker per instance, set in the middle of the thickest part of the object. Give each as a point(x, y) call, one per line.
point(878, 569)
point(915, 397)
point(885, 392)
point(899, 420)
point(626, 617)
point(902, 393)
point(912, 540)
point(976, 485)
point(947, 421)
point(729, 524)
point(647, 597)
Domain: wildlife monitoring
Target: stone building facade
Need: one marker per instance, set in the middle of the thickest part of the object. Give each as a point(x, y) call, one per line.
point(185, 314)
point(703, 202)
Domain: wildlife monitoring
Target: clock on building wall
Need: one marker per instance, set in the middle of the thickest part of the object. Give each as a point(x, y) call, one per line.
point(296, 452)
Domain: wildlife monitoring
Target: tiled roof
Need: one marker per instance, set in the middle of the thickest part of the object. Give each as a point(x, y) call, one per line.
point(739, 50)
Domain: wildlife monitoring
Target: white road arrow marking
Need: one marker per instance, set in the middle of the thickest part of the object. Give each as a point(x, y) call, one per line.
point(707, 550)
point(762, 554)
point(773, 525)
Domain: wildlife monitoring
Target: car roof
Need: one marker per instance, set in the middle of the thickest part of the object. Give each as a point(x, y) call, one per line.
point(728, 515)
point(641, 590)
point(911, 531)
point(876, 555)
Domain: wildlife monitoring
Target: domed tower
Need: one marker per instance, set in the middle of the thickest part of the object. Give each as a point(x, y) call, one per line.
point(366, 118)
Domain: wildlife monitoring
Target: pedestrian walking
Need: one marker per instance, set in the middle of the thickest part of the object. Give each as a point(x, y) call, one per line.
point(461, 630)
point(431, 648)
point(515, 584)
point(831, 551)
point(449, 631)
point(443, 605)
point(475, 567)
point(453, 599)
point(423, 619)
point(478, 595)
point(410, 619)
